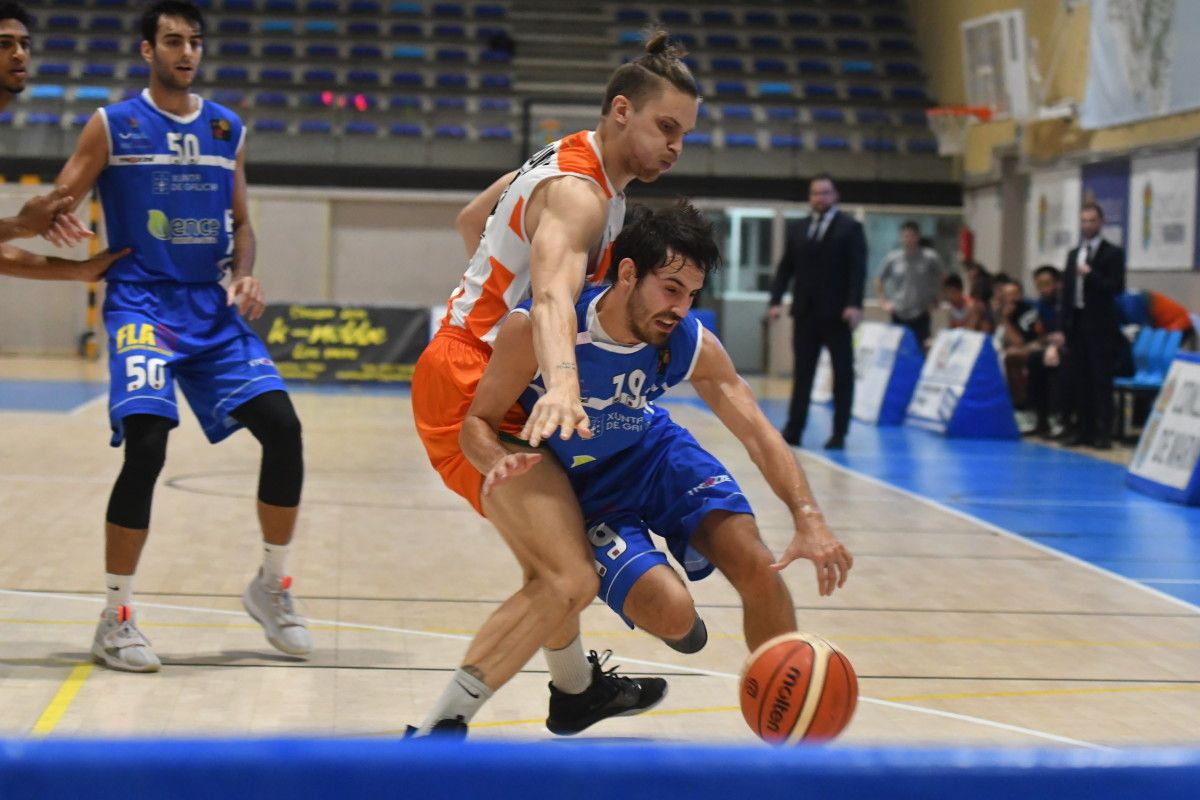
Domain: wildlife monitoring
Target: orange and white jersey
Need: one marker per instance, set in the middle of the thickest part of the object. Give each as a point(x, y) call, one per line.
point(497, 278)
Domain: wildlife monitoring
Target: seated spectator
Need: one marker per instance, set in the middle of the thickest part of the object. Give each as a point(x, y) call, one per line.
point(956, 298)
point(1015, 334)
point(1045, 384)
point(979, 316)
point(1165, 313)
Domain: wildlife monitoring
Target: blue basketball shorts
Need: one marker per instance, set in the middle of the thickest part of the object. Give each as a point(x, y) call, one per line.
point(165, 332)
point(665, 484)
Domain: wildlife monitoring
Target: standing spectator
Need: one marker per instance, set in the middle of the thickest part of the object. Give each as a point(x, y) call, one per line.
point(908, 282)
point(825, 262)
point(1094, 276)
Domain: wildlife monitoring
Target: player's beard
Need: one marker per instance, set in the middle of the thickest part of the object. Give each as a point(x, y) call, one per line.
point(641, 322)
point(169, 80)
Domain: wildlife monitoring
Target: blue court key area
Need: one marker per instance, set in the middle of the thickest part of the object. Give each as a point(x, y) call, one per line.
point(48, 395)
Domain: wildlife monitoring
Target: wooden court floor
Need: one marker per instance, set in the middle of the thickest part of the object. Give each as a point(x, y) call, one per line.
point(960, 635)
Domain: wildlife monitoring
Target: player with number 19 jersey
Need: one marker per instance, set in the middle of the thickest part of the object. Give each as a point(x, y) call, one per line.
point(167, 192)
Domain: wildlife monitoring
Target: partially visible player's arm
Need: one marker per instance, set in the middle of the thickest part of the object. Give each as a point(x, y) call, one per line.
point(510, 369)
point(471, 220)
point(77, 178)
point(23, 264)
point(563, 226)
point(244, 288)
point(37, 216)
point(730, 398)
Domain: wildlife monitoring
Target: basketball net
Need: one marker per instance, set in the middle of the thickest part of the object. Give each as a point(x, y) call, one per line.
point(950, 124)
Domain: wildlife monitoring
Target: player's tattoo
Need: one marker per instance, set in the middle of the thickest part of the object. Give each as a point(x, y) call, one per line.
point(566, 365)
point(474, 672)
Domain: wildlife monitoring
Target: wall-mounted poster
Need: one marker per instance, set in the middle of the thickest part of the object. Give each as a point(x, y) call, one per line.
point(1162, 211)
point(1052, 216)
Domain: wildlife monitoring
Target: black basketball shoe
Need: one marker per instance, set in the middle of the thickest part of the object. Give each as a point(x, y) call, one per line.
point(442, 729)
point(610, 695)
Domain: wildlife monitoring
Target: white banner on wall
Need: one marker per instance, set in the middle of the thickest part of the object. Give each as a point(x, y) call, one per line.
point(1170, 445)
point(1162, 211)
point(1052, 217)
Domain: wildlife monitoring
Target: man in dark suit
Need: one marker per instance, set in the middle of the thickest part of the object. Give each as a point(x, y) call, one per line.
point(825, 261)
point(1093, 277)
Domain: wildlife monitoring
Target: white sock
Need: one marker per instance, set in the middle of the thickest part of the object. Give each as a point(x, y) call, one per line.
point(275, 558)
point(570, 671)
point(120, 590)
point(463, 697)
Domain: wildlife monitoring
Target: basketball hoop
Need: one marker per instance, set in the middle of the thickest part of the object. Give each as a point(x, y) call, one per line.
point(950, 123)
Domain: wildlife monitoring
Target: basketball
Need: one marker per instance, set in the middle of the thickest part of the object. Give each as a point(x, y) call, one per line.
point(798, 687)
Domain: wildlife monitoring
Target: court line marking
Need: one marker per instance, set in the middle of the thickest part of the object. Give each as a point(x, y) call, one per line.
point(1046, 692)
point(85, 405)
point(963, 515)
point(656, 664)
point(62, 699)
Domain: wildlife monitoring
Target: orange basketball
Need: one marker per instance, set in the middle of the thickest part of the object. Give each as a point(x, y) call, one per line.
point(798, 687)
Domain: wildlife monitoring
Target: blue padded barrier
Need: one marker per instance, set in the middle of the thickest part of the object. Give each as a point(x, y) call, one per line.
point(205, 769)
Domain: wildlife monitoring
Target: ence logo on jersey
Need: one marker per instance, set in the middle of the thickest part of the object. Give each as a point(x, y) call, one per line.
point(182, 231)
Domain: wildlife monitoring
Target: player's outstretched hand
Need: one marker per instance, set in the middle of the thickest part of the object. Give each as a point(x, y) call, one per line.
point(247, 292)
point(556, 410)
point(66, 230)
point(830, 557)
point(507, 468)
point(38, 215)
point(94, 268)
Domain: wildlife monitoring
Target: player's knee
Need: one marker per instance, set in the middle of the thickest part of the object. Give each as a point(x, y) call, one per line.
point(574, 586)
point(661, 605)
point(145, 445)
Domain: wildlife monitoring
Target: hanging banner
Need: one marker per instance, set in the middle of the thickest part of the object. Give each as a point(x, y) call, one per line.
point(344, 344)
point(1162, 211)
point(1142, 61)
point(1106, 183)
point(1166, 463)
point(1052, 216)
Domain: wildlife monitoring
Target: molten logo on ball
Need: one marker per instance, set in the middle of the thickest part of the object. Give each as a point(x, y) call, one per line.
point(783, 699)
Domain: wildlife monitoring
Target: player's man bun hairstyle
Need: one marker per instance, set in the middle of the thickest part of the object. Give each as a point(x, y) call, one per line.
point(654, 238)
point(662, 60)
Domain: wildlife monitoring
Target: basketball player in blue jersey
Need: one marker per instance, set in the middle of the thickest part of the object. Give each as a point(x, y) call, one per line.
point(170, 168)
point(640, 471)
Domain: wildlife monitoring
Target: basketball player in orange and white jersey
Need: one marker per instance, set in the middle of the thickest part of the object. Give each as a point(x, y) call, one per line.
point(541, 232)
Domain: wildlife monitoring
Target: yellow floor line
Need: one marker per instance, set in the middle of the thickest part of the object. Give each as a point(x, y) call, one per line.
point(508, 723)
point(62, 700)
point(1044, 692)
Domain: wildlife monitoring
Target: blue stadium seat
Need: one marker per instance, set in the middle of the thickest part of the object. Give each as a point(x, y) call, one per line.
point(833, 143)
point(809, 43)
point(852, 45)
point(234, 49)
point(278, 50)
point(138, 72)
point(407, 9)
point(452, 55)
point(130, 92)
point(837, 20)
point(922, 146)
point(366, 52)
point(496, 133)
point(901, 69)
point(362, 77)
point(740, 140)
point(452, 10)
point(449, 132)
point(485, 32)
point(718, 40)
point(48, 69)
point(271, 99)
point(858, 67)
point(804, 20)
point(270, 126)
point(228, 97)
point(688, 40)
point(322, 51)
point(879, 144)
point(449, 32)
point(6, 118)
point(361, 128)
point(320, 76)
point(914, 118)
point(96, 94)
point(697, 139)
point(896, 45)
point(408, 79)
point(238, 6)
point(61, 44)
point(495, 57)
point(496, 105)
point(629, 37)
point(774, 89)
point(782, 113)
point(63, 22)
point(450, 80)
point(363, 29)
point(407, 30)
point(405, 102)
point(887, 22)
point(98, 71)
point(767, 19)
point(717, 17)
point(786, 141)
point(233, 25)
point(906, 93)
point(323, 7)
point(873, 116)
point(317, 126)
point(406, 130)
point(867, 92)
point(737, 112)
point(731, 87)
point(727, 64)
point(371, 8)
point(364, 102)
point(122, 4)
point(47, 118)
point(103, 46)
point(820, 90)
point(408, 53)
point(810, 66)
point(233, 74)
point(675, 16)
point(631, 15)
point(450, 103)
point(832, 115)
point(495, 82)
point(766, 42)
point(277, 26)
point(316, 99)
point(109, 24)
point(280, 7)
point(47, 91)
point(773, 66)
point(490, 11)
point(320, 27)
point(79, 120)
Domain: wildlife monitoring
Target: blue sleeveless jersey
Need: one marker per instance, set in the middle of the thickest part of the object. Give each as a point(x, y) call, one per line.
point(618, 384)
point(167, 191)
